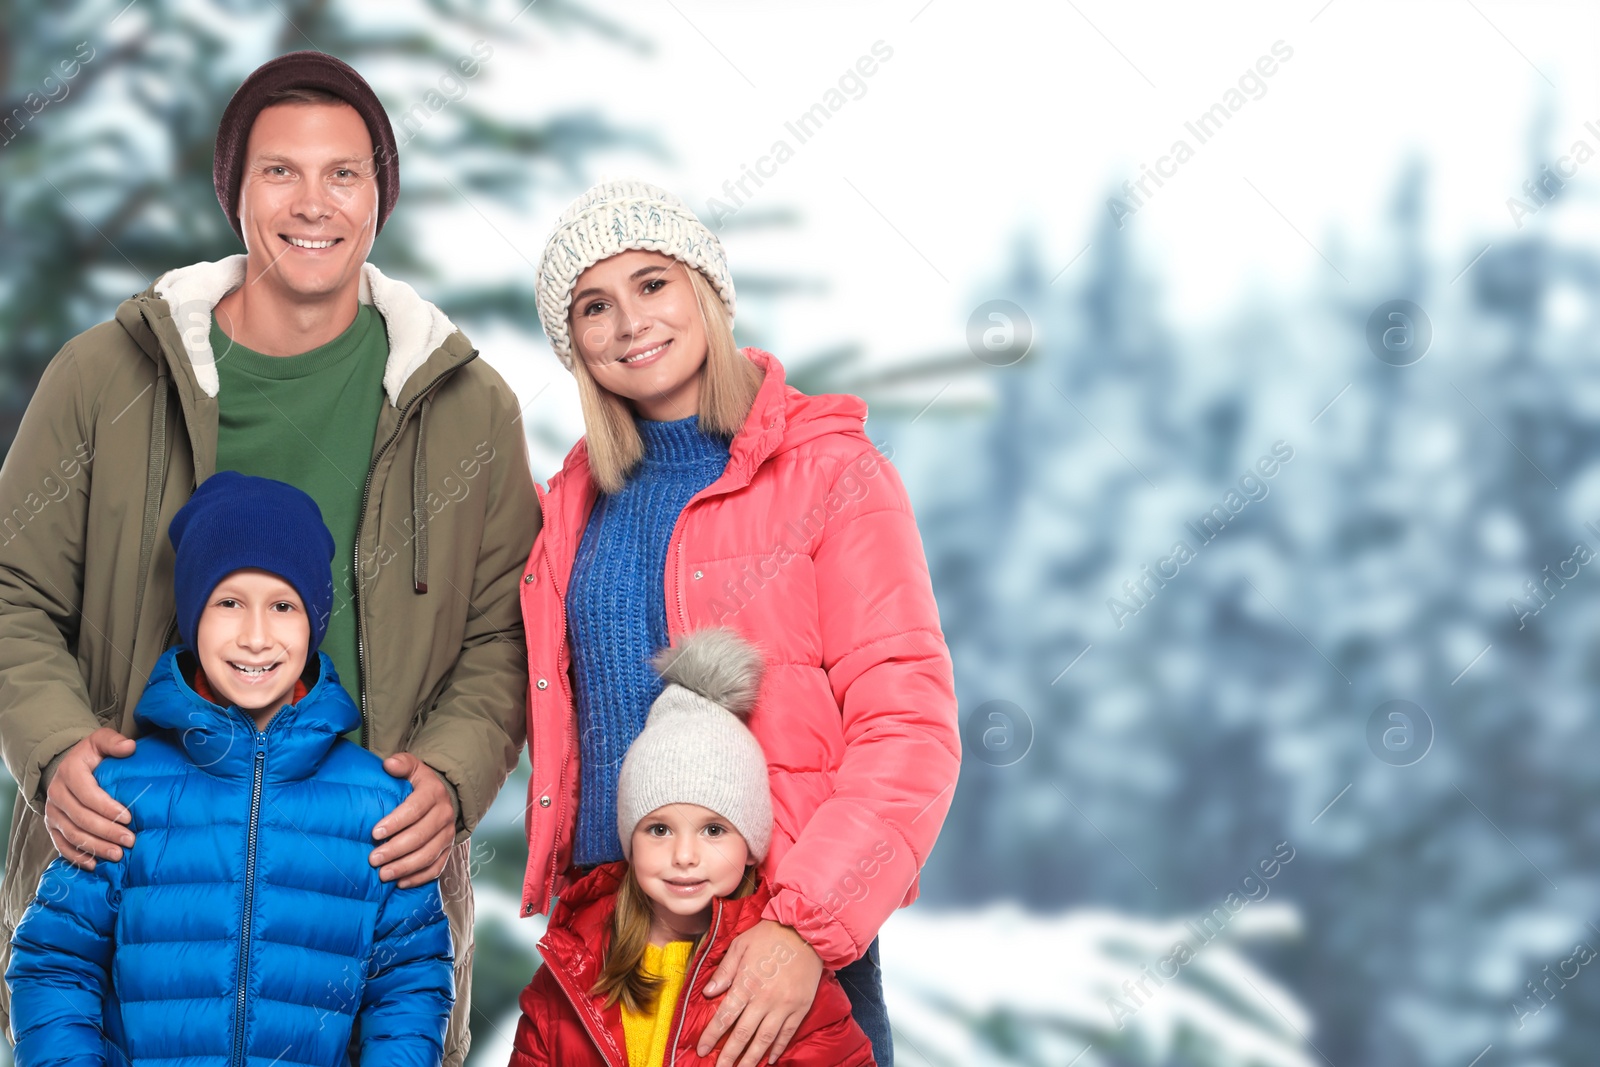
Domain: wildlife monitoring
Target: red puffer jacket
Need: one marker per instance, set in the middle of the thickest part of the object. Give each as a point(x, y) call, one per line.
point(806, 545)
point(562, 1025)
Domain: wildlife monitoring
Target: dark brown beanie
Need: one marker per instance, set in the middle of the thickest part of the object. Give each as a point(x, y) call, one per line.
point(301, 70)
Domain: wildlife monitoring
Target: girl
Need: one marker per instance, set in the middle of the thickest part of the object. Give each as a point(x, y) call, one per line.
point(707, 492)
point(633, 942)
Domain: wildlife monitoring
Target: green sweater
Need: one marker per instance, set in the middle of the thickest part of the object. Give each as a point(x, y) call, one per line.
point(309, 420)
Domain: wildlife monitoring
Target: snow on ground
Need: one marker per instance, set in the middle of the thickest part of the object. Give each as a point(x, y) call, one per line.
point(989, 987)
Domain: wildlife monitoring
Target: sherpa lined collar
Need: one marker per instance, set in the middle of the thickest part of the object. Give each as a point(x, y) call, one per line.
point(415, 327)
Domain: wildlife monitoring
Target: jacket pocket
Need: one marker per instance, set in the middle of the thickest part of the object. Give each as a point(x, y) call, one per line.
point(770, 597)
point(108, 710)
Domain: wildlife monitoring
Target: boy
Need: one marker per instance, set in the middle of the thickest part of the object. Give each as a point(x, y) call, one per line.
point(247, 924)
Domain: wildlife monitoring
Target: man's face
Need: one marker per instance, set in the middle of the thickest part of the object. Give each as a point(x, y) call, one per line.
point(308, 204)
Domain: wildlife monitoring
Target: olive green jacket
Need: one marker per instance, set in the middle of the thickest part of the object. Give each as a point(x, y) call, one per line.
point(123, 426)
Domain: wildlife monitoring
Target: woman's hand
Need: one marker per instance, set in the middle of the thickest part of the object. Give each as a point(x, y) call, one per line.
point(770, 976)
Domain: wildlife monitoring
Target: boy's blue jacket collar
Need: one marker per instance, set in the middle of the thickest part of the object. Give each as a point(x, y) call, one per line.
point(223, 741)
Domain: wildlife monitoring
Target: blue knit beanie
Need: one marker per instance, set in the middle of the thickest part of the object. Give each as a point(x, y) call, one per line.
point(234, 521)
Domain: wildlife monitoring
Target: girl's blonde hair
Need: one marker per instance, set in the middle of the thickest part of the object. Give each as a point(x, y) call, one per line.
point(621, 978)
point(728, 386)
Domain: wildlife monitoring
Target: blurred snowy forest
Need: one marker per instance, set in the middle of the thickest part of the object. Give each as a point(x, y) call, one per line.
point(1423, 544)
point(1384, 491)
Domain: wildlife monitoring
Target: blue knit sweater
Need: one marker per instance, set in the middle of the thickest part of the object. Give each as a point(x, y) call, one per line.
point(617, 614)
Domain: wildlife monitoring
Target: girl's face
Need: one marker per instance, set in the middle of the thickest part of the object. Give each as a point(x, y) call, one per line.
point(252, 641)
point(684, 856)
point(638, 328)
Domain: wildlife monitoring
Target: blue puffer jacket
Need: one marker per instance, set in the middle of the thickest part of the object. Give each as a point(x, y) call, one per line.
point(245, 926)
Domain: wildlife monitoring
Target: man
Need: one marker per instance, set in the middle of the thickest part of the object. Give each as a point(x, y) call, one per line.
point(297, 361)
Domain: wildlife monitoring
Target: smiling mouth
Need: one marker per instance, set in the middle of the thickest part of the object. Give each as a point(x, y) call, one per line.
point(649, 353)
point(253, 673)
point(301, 242)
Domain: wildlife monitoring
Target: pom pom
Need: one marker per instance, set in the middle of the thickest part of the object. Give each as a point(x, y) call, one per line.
point(716, 664)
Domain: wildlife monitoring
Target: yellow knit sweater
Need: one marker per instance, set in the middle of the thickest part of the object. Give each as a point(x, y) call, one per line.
point(647, 1032)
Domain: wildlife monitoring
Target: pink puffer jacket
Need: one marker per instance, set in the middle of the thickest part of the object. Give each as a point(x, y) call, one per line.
point(806, 545)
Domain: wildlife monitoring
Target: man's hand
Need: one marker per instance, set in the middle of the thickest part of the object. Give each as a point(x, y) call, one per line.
point(771, 975)
point(415, 838)
point(84, 822)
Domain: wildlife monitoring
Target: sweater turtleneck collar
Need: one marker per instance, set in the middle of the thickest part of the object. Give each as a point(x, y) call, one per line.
point(680, 443)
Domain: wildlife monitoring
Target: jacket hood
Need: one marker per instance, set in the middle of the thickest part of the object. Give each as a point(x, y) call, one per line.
point(796, 417)
point(596, 886)
point(782, 417)
point(222, 741)
point(416, 328)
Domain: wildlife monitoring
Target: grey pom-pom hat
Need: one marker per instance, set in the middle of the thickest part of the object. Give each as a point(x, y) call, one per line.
point(695, 747)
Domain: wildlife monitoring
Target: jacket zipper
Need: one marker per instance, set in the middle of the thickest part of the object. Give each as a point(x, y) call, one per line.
point(677, 579)
point(361, 521)
point(563, 980)
point(675, 583)
point(566, 751)
point(676, 554)
point(688, 988)
point(249, 895)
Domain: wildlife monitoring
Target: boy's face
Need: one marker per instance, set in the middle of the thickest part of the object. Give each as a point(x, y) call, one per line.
point(683, 856)
point(253, 637)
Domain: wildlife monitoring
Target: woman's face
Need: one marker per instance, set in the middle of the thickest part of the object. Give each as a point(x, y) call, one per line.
point(637, 327)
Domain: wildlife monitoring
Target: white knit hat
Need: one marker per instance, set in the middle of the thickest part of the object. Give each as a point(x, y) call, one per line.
point(695, 747)
point(614, 217)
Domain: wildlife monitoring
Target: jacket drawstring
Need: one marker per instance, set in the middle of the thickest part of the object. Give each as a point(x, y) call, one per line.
point(419, 503)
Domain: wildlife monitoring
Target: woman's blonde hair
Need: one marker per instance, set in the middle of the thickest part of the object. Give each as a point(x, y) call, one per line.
point(728, 386)
point(621, 978)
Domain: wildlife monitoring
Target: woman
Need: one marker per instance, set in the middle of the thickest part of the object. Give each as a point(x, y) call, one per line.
point(706, 492)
